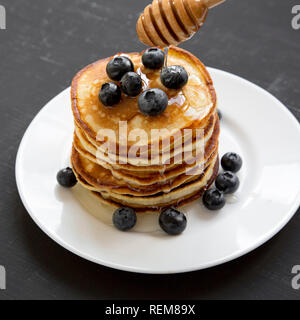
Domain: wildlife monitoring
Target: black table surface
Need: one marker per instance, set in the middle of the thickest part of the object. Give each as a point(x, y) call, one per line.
point(45, 44)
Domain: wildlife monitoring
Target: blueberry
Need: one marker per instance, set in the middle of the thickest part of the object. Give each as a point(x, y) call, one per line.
point(174, 77)
point(131, 84)
point(227, 182)
point(220, 114)
point(118, 66)
point(66, 178)
point(172, 221)
point(124, 218)
point(213, 199)
point(153, 102)
point(231, 162)
point(110, 94)
point(153, 58)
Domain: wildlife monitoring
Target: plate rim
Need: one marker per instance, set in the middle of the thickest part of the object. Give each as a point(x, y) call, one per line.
point(263, 239)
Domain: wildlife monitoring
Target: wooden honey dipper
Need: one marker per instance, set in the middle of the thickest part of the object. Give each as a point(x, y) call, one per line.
point(170, 22)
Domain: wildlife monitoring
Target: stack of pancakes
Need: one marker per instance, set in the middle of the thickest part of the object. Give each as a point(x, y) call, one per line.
point(148, 163)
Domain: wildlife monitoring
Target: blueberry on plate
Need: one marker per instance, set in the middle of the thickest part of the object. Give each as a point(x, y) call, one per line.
point(213, 199)
point(110, 94)
point(153, 58)
point(231, 162)
point(174, 77)
point(131, 84)
point(66, 178)
point(227, 182)
point(220, 114)
point(172, 221)
point(124, 218)
point(118, 66)
point(153, 102)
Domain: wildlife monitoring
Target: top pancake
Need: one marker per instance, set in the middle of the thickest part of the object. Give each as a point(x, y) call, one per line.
point(188, 108)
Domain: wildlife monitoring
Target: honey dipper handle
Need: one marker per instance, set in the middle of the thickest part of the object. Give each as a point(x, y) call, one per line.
point(212, 3)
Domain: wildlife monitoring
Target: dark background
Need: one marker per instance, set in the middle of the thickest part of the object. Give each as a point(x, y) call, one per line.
point(45, 44)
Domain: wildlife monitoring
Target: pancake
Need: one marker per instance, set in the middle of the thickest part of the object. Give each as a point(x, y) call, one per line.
point(192, 106)
point(188, 137)
point(185, 190)
point(103, 180)
point(183, 164)
point(89, 151)
point(135, 160)
point(161, 199)
point(146, 178)
point(158, 208)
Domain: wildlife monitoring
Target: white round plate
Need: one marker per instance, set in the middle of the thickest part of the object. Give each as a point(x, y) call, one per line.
point(255, 125)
